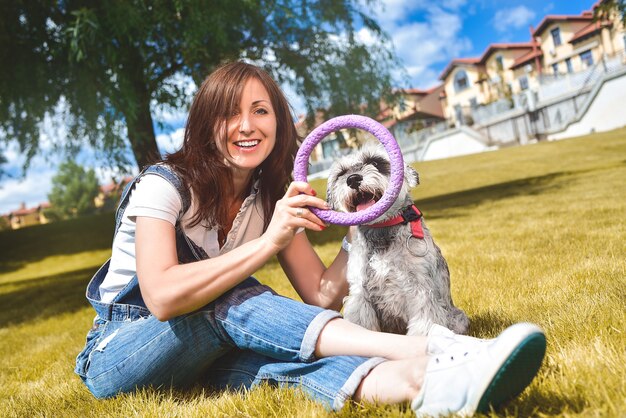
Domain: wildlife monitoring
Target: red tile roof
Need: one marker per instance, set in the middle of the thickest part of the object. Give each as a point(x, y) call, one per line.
point(589, 30)
point(457, 62)
point(500, 46)
point(584, 17)
point(529, 56)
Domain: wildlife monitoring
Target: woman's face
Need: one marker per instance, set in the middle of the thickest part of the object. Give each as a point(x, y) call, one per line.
point(251, 128)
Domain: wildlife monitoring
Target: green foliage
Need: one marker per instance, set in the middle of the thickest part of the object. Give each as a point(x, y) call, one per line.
point(607, 8)
point(105, 67)
point(4, 223)
point(532, 233)
point(73, 190)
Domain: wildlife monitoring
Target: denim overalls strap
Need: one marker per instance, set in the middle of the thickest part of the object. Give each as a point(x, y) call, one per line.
point(128, 303)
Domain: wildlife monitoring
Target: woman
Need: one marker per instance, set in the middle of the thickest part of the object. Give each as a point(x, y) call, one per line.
point(177, 293)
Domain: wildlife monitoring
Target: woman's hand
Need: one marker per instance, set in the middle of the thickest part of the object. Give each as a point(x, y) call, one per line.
point(291, 213)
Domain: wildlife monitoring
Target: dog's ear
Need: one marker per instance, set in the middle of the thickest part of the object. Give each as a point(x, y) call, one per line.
point(329, 194)
point(411, 176)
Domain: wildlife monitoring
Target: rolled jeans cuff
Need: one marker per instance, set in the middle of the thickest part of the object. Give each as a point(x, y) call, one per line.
point(312, 333)
point(349, 388)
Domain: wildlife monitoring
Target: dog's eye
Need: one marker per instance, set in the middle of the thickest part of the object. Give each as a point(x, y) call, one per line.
point(379, 164)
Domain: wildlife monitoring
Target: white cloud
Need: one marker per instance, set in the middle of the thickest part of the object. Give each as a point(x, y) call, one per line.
point(170, 142)
point(453, 4)
point(31, 191)
point(516, 17)
point(433, 37)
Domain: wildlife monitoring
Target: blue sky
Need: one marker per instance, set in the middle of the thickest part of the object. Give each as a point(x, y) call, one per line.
point(426, 35)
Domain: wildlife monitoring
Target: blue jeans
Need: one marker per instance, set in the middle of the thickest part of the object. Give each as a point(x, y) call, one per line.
point(257, 335)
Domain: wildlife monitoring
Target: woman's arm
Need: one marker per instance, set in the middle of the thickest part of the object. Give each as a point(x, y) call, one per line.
point(316, 284)
point(171, 289)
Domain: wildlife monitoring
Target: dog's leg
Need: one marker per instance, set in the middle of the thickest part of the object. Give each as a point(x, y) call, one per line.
point(458, 321)
point(419, 326)
point(358, 310)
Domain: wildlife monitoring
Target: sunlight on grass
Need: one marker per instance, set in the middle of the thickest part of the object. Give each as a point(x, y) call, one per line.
point(54, 265)
point(532, 233)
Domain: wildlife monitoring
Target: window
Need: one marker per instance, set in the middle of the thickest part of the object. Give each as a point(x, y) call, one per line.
point(555, 68)
point(556, 36)
point(461, 82)
point(523, 82)
point(500, 62)
point(568, 63)
point(473, 103)
point(587, 59)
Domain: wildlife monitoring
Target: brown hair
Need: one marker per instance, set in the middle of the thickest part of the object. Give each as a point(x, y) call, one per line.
point(200, 161)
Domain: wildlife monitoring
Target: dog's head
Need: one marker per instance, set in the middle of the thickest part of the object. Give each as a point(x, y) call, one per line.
point(358, 180)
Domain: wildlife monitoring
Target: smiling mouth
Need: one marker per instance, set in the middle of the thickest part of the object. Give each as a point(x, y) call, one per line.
point(362, 201)
point(250, 143)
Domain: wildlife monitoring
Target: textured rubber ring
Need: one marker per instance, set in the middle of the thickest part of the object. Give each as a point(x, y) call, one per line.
point(395, 157)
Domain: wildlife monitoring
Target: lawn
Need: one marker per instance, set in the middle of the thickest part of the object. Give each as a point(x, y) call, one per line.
point(534, 233)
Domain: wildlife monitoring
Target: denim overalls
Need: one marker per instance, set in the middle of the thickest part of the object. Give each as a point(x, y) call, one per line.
point(256, 334)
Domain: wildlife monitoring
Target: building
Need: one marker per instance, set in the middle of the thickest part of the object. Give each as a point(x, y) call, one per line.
point(24, 216)
point(110, 194)
point(560, 45)
point(415, 110)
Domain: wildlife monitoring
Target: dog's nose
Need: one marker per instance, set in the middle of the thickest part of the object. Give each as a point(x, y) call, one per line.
point(354, 181)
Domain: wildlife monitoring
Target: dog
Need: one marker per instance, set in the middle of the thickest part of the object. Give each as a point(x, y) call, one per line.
point(398, 279)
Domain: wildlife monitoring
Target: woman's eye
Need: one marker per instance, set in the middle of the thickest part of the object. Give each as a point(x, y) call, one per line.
point(261, 111)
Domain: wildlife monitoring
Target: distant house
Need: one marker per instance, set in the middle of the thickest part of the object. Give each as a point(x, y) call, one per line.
point(24, 216)
point(462, 79)
point(561, 44)
point(572, 43)
point(415, 109)
point(109, 194)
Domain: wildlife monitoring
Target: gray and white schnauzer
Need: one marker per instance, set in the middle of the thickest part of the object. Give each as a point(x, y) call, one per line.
point(399, 281)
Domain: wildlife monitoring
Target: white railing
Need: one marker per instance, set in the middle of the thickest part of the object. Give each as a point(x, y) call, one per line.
point(553, 86)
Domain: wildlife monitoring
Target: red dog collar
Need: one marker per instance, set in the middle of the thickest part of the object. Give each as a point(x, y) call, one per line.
point(410, 214)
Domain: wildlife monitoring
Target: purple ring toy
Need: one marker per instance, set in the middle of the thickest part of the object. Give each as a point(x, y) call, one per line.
point(395, 157)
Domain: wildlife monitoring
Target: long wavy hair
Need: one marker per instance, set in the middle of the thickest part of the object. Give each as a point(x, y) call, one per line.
point(200, 161)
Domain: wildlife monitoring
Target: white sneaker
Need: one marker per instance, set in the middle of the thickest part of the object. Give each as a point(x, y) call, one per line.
point(442, 339)
point(483, 375)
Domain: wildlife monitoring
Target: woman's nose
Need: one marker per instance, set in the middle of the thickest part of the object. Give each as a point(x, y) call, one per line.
point(245, 125)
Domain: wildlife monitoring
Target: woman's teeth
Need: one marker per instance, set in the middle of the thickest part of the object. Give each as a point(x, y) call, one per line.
point(247, 144)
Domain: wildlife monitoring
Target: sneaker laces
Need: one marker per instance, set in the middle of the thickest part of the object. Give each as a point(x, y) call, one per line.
point(441, 340)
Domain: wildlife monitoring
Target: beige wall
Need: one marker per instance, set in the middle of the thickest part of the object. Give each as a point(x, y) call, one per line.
point(617, 34)
point(509, 77)
point(463, 97)
point(29, 219)
point(556, 54)
point(518, 73)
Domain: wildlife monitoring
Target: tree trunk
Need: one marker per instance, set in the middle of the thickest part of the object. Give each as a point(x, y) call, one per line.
point(138, 117)
point(141, 136)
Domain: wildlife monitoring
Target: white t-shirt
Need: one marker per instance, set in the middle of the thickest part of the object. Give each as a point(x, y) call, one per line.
point(153, 197)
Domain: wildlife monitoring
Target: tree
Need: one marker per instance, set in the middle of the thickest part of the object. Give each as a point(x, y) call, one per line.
point(74, 190)
point(607, 8)
point(105, 67)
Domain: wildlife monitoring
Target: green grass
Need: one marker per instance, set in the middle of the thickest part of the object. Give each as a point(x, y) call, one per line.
point(534, 233)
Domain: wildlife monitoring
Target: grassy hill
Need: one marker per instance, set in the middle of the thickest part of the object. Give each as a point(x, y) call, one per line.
point(534, 233)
